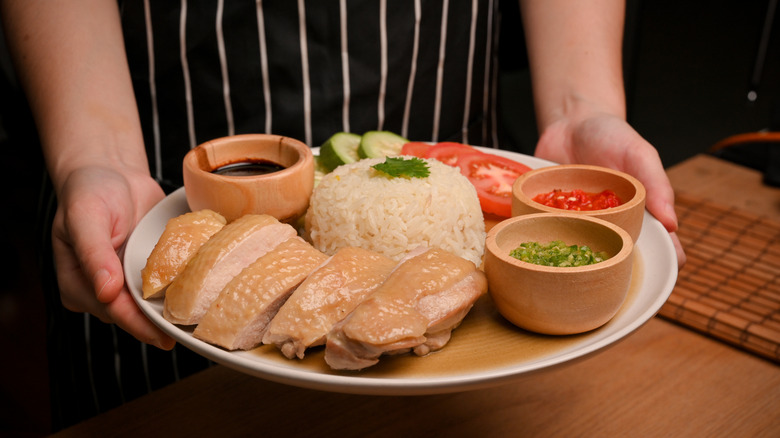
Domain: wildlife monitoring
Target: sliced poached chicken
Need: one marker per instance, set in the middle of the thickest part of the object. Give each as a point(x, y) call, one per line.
point(218, 261)
point(181, 239)
point(327, 295)
point(416, 308)
point(238, 318)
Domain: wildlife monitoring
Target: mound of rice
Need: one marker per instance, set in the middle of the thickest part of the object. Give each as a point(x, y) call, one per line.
point(356, 205)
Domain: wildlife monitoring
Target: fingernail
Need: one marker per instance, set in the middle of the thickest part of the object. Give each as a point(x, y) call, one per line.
point(164, 345)
point(672, 214)
point(102, 277)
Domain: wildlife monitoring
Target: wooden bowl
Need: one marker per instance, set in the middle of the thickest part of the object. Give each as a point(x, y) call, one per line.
point(283, 194)
point(629, 215)
point(558, 300)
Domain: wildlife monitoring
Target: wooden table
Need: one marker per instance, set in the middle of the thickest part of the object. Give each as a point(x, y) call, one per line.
point(663, 380)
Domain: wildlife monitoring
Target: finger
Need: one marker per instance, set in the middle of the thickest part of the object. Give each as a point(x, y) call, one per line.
point(77, 296)
point(681, 257)
point(660, 203)
point(125, 313)
point(644, 163)
point(76, 291)
point(90, 231)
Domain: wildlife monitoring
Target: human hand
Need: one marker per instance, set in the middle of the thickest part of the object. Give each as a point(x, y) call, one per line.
point(606, 140)
point(98, 208)
point(90, 132)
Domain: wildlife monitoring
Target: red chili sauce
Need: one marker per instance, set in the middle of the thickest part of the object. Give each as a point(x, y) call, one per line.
point(579, 200)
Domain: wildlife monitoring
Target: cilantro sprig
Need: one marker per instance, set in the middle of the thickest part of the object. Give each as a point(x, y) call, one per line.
point(396, 167)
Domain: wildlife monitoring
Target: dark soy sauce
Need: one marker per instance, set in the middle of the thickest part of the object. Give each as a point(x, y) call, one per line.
point(248, 168)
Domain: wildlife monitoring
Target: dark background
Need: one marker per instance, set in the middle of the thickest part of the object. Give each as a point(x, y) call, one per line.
point(689, 67)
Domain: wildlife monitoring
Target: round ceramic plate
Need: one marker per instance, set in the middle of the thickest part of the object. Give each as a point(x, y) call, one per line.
point(484, 351)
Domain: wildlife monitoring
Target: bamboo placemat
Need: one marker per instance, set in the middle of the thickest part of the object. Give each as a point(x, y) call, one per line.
point(730, 286)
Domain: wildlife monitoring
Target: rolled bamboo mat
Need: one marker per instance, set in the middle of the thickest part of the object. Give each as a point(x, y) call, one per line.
point(729, 288)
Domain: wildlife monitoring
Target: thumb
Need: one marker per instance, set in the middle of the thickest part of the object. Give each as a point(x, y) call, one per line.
point(645, 164)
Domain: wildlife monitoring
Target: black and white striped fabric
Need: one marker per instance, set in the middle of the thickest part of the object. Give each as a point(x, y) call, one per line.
point(424, 69)
point(203, 69)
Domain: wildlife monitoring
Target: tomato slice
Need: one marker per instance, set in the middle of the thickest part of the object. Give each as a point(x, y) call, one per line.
point(492, 176)
point(449, 152)
point(416, 149)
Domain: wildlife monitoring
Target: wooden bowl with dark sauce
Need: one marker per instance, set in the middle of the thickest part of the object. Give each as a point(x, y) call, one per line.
point(250, 174)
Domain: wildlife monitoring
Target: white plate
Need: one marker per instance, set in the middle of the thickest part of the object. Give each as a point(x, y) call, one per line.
point(484, 351)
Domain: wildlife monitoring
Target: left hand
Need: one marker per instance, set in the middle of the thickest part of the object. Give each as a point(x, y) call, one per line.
point(606, 140)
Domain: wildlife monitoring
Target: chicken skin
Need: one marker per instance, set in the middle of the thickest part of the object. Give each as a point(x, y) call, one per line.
point(238, 318)
point(328, 295)
point(181, 239)
point(221, 258)
point(415, 309)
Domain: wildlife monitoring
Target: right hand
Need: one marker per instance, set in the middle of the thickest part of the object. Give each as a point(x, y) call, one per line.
point(98, 207)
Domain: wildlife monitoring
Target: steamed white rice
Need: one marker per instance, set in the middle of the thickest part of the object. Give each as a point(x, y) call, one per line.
point(356, 205)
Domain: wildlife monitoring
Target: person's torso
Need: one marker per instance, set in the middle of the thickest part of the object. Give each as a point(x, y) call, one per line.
point(307, 69)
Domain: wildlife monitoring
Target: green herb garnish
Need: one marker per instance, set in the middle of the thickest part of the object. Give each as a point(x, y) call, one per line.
point(558, 254)
point(403, 167)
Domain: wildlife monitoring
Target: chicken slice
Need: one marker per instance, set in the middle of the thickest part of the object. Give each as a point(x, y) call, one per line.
point(416, 308)
point(327, 295)
point(181, 239)
point(237, 319)
point(221, 258)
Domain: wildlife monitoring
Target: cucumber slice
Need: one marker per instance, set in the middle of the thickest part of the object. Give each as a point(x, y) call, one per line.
point(340, 148)
point(378, 144)
point(319, 172)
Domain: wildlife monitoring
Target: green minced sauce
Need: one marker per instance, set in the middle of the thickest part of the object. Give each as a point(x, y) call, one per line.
point(557, 253)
